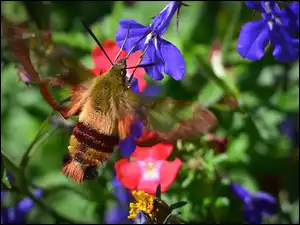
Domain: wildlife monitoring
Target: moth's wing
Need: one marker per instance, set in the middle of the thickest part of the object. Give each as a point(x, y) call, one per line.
point(167, 119)
point(39, 56)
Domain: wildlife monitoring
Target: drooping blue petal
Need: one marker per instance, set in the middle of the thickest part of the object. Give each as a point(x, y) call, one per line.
point(136, 129)
point(173, 60)
point(142, 218)
point(134, 85)
point(127, 146)
point(253, 40)
point(256, 5)
point(136, 31)
point(162, 20)
point(240, 192)
point(151, 56)
point(120, 192)
point(264, 202)
point(286, 48)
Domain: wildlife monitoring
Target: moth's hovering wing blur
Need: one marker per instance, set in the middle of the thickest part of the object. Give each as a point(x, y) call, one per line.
point(169, 120)
point(44, 63)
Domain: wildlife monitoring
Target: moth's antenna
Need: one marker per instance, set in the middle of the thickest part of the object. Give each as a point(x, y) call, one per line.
point(95, 38)
point(141, 65)
point(148, 32)
point(124, 42)
point(140, 60)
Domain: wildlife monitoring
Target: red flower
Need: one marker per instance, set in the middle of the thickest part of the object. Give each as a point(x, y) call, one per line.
point(102, 64)
point(147, 168)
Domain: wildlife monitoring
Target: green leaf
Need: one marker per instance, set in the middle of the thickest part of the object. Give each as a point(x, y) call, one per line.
point(189, 179)
point(178, 205)
point(222, 202)
point(8, 163)
point(219, 159)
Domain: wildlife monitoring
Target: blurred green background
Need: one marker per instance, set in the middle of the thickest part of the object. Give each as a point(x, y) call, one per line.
point(267, 92)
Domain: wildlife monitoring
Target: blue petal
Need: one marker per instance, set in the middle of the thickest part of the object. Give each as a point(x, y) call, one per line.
point(116, 215)
point(136, 129)
point(290, 17)
point(253, 40)
point(241, 192)
point(286, 48)
point(294, 7)
point(152, 90)
point(271, 7)
point(25, 205)
point(127, 146)
point(151, 56)
point(161, 22)
point(134, 86)
point(142, 218)
point(264, 202)
point(251, 215)
point(173, 60)
point(256, 5)
point(136, 31)
point(120, 192)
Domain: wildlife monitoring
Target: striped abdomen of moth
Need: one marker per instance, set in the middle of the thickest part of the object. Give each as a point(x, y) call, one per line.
point(97, 131)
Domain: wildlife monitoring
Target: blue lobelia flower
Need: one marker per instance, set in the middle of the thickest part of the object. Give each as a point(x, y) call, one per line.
point(255, 204)
point(165, 55)
point(118, 214)
point(278, 27)
point(17, 214)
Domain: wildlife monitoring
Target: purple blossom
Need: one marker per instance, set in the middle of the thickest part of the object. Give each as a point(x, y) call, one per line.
point(165, 55)
point(256, 205)
point(17, 214)
point(118, 214)
point(277, 26)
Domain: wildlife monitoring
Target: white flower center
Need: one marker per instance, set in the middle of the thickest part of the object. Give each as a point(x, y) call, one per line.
point(148, 38)
point(150, 170)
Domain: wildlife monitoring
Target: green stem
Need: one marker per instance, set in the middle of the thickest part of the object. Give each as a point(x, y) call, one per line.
point(25, 157)
point(42, 140)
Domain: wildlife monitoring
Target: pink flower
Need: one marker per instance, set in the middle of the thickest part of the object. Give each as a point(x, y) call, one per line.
point(101, 63)
point(147, 167)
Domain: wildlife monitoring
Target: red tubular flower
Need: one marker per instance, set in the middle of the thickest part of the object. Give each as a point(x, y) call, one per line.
point(147, 168)
point(101, 63)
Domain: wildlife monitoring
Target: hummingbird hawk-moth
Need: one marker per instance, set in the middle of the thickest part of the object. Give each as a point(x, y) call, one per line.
point(105, 105)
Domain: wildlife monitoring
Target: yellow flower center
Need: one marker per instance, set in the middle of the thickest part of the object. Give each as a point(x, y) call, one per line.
point(143, 201)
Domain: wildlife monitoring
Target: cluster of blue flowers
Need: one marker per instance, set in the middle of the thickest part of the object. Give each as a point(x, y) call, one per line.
point(277, 26)
point(17, 214)
point(165, 55)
